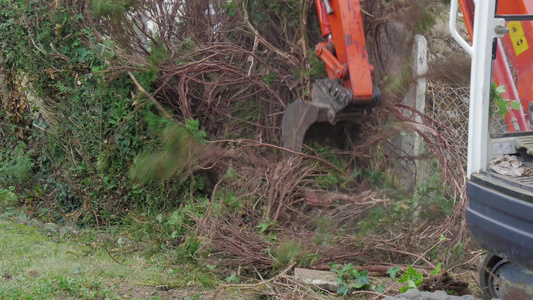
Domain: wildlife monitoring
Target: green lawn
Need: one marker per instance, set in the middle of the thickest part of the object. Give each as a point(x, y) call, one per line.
point(39, 265)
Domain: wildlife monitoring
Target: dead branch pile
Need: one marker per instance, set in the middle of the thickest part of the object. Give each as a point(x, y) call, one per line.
point(287, 199)
point(234, 66)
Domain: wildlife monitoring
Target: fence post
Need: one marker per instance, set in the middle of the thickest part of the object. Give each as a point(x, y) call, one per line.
point(411, 143)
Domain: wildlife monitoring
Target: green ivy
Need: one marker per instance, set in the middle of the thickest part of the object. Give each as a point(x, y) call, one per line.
point(94, 125)
point(411, 279)
point(501, 105)
point(348, 277)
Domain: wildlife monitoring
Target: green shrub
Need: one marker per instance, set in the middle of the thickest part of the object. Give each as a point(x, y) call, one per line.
point(8, 197)
point(15, 166)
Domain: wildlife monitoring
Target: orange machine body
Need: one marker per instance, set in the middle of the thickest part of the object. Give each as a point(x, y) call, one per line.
point(345, 54)
point(520, 61)
point(519, 45)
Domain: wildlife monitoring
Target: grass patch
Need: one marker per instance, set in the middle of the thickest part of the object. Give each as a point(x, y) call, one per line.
point(36, 266)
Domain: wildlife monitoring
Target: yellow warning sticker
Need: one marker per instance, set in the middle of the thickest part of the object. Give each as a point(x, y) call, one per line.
point(518, 37)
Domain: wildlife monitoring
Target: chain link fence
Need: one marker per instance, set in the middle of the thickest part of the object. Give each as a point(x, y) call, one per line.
point(449, 105)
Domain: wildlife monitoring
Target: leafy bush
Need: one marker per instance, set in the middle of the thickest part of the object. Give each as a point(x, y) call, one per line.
point(16, 166)
point(8, 197)
point(87, 127)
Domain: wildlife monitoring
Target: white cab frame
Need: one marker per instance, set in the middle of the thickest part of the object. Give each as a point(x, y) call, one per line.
point(480, 80)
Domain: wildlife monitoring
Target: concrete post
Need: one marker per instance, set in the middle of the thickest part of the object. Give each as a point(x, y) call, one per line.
point(411, 142)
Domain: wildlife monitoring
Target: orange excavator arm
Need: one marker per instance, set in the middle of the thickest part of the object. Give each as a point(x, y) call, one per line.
point(348, 92)
point(343, 26)
point(519, 46)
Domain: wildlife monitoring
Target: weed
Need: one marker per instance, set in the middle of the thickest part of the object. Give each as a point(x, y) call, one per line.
point(380, 288)
point(411, 279)
point(111, 8)
point(457, 252)
point(287, 253)
point(400, 81)
point(230, 7)
point(501, 106)
point(426, 20)
point(317, 68)
point(8, 197)
point(437, 270)
point(180, 145)
point(429, 201)
point(16, 165)
point(430, 198)
point(392, 272)
point(233, 278)
point(346, 275)
point(290, 252)
point(324, 229)
point(196, 296)
point(264, 226)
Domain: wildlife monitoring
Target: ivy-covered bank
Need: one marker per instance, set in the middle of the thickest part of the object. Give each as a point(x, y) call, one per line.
point(70, 132)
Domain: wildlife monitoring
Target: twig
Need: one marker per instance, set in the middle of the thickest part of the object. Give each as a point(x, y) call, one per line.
point(207, 214)
point(476, 280)
point(262, 279)
point(253, 285)
point(425, 252)
point(468, 261)
point(343, 256)
point(366, 292)
point(157, 104)
point(367, 13)
point(37, 47)
point(253, 143)
point(251, 57)
point(263, 41)
point(107, 251)
point(64, 57)
point(408, 253)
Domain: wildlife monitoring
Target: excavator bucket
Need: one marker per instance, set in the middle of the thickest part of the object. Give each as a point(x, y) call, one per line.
point(300, 115)
point(297, 119)
point(330, 102)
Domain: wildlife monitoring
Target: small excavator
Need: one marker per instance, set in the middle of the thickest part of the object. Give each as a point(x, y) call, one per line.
point(500, 212)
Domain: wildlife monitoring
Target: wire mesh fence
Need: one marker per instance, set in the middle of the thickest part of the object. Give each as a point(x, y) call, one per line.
point(449, 105)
